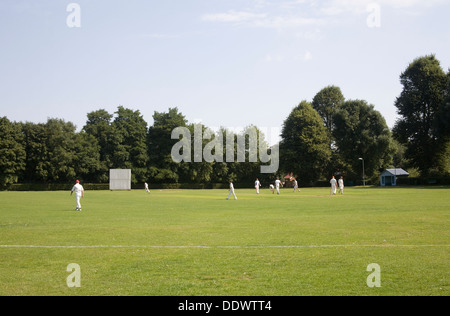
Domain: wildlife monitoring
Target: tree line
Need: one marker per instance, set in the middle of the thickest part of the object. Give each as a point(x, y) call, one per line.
point(320, 138)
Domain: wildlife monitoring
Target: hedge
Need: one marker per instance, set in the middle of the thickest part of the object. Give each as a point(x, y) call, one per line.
point(443, 181)
point(105, 186)
point(54, 187)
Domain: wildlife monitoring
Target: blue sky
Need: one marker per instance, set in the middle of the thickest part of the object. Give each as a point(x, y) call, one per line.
point(226, 63)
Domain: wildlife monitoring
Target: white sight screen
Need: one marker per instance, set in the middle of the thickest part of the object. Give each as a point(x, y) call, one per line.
point(119, 179)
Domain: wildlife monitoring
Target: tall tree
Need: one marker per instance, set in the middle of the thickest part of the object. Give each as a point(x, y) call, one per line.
point(443, 117)
point(443, 132)
point(443, 159)
point(87, 163)
point(223, 171)
point(304, 149)
point(12, 152)
point(162, 167)
point(326, 103)
point(255, 143)
point(56, 153)
point(424, 85)
point(98, 125)
point(60, 143)
point(362, 132)
point(197, 171)
point(131, 147)
point(36, 169)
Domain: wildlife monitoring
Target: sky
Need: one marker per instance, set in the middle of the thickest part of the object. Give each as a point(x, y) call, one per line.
point(227, 63)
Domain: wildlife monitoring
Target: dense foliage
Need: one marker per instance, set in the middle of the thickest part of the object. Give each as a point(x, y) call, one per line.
point(326, 137)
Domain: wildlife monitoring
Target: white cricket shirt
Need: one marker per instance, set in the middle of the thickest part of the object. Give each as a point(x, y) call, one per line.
point(78, 189)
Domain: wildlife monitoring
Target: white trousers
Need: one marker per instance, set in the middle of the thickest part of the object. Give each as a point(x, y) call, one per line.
point(232, 193)
point(333, 189)
point(78, 199)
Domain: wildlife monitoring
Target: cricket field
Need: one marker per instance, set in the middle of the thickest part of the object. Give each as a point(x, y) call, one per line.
point(370, 242)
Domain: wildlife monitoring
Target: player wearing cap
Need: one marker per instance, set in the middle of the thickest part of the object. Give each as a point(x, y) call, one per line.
point(79, 193)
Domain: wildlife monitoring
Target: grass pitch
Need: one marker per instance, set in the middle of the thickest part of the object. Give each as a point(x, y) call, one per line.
point(195, 243)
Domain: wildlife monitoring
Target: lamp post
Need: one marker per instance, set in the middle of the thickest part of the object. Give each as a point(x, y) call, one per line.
point(364, 172)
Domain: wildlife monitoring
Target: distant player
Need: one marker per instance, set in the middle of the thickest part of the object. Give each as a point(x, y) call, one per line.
point(232, 191)
point(257, 185)
point(277, 185)
point(296, 185)
point(341, 186)
point(272, 188)
point(333, 183)
point(146, 187)
point(79, 193)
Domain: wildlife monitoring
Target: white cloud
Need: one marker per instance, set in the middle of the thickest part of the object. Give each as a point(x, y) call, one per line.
point(288, 57)
point(294, 13)
point(261, 3)
point(398, 4)
point(158, 36)
point(262, 20)
point(307, 19)
point(274, 58)
point(308, 56)
point(337, 7)
point(281, 22)
point(233, 16)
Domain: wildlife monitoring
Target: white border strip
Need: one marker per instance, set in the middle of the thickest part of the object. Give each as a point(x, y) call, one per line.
point(223, 247)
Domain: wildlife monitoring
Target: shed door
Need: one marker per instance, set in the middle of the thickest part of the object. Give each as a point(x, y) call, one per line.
point(388, 181)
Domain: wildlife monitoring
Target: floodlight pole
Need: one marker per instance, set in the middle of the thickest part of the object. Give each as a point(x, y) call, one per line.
point(364, 172)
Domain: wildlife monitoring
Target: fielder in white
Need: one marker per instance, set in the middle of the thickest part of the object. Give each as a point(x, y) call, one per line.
point(79, 193)
point(341, 186)
point(296, 185)
point(146, 187)
point(272, 188)
point(277, 185)
point(257, 185)
point(333, 183)
point(232, 191)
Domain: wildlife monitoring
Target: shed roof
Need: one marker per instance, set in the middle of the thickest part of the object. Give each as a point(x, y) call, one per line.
point(395, 172)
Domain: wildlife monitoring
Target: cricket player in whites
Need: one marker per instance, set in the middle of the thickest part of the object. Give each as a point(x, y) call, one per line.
point(257, 185)
point(333, 183)
point(295, 184)
point(341, 186)
point(277, 185)
point(232, 191)
point(79, 193)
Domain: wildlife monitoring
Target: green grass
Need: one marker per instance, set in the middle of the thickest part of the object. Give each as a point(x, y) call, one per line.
point(183, 243)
